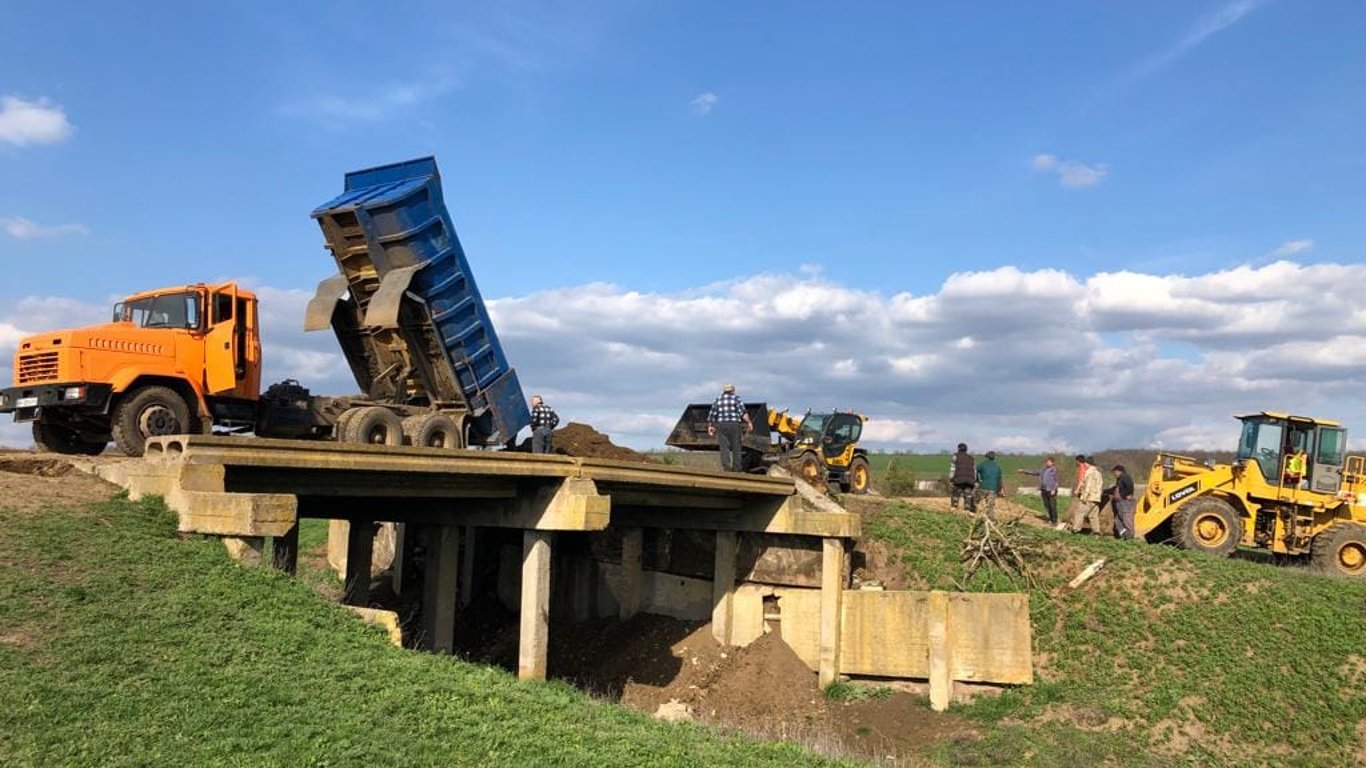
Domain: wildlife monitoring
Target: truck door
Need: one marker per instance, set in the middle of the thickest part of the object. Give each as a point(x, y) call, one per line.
point(221, 342)
point(1326, 471)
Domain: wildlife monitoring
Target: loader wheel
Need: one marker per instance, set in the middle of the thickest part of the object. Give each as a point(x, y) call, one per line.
point(859, 478)
point(1341, 549)
point(374, 425)
point(56, 438)
point(151, 411)
point(433, 430)
point(811, 469)
point(1207, 525)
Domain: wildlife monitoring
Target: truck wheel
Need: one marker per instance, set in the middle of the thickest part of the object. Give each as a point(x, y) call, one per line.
point(859, 478)
point(1341, 549)
point(55, 438)
point(1207, 525)
point(433, 430)
point(150, 412)
point(339, 429)
point(373, 425)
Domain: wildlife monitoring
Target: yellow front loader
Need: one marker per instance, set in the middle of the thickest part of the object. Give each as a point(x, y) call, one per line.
point(1291, 490)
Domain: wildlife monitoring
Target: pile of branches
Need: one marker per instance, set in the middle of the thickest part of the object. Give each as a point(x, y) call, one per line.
point(996, 545)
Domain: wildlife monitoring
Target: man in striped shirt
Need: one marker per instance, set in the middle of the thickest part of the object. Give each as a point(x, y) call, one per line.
point(543, 423)
point(727, 421)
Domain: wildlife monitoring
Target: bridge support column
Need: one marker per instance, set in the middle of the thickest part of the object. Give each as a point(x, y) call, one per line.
point(467, 567)
point(285, 551)
point(360, 550)
point(534, 644)
point(443, 553)
point(723, 587)
point(832, 594)
point(632, 540)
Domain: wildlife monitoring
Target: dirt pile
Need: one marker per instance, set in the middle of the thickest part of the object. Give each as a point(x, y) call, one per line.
point(584, 442)
point(31, 481)
point(33, 465)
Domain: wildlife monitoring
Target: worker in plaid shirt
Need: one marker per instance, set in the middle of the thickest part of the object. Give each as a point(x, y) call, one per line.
point(543, 423)
point(727, 421)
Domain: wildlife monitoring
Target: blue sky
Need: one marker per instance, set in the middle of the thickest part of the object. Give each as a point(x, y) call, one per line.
point(666, 148)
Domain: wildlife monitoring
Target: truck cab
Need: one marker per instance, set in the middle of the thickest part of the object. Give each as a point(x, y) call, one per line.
point(171, 361)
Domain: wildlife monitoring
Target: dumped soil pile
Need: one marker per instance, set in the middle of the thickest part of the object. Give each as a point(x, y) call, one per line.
point(33, 465)
point(584, 442)
point(676, 670)
point(31, 481)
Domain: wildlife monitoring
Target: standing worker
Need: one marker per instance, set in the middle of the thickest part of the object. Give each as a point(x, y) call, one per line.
point(727, 421)
point(963, 479)
point(1122, 501)
point(1086, 506)
point(989, 482)
point(543, 423)
point(1048, 487)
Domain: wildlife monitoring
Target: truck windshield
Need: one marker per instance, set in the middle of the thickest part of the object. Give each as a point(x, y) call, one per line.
point(169, 310)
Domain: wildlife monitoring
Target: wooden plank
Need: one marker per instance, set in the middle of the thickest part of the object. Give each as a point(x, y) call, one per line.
point(723, 586)
point(632, 547)
point(832, 592)
point(534, 629)
point(285, 551)
point(360, 544)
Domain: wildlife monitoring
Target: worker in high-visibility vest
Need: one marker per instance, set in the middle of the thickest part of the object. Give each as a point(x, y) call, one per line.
point(1295, 467)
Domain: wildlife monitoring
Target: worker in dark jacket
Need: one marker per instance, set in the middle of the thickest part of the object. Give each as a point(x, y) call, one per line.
point(1048, 487)
point(728, 422)
point(543, 423)
point(1122, 500)
point(989, 483)
point(962, 479)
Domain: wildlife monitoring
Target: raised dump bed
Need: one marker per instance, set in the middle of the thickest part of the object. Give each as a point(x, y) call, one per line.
point(405, 306)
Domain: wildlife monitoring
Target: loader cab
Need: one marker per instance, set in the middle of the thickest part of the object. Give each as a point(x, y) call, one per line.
point(1271, 439)
point(841, 431)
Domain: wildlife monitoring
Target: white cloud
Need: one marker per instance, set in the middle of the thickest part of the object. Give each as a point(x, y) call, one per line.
point(704, 103)
point(1071, 173)
point(32, 122)
point(20, 228)
point(1292, 248)
point(388, 102)
point(1005, 358)
point(1203, 28)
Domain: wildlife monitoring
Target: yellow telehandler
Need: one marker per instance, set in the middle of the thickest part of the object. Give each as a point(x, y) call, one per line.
point(1291, 490)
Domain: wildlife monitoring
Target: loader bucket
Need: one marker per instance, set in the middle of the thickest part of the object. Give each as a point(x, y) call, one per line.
point(690, 433)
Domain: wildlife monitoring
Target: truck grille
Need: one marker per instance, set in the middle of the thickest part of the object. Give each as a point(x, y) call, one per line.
point(37, 367)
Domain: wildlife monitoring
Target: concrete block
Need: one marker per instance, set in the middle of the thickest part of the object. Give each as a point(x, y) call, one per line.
point(245, 550)
point(386, 619)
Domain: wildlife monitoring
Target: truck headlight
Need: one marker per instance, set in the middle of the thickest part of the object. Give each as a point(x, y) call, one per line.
point(73, 393)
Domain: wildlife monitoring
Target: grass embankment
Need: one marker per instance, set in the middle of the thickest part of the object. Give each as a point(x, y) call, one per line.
point(121, 645)
point(1167, 657)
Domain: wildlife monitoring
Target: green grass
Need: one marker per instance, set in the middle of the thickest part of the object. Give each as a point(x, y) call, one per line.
point(1241, 663)
point(122, 645)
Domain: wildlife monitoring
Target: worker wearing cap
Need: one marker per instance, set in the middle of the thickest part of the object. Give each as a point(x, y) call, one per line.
point(1086, 505)
point(727, 421)
point(543, 423)
point(989, 483)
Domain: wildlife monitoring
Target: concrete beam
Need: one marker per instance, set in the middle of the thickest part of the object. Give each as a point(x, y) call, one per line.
point(446, 554)
point(534, 645)
point(792, 515)
point(723, 587)
point(233, 514)
point(360, 545)
point(572, 504)
point(632, 546)
point(832, 593)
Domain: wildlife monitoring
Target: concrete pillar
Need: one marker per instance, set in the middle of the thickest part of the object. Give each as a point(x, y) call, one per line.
point(445, 551)
point(400, 556)
point(535, 609)
point(723, 586)
point(832, 597)
point(360, 545)
point(632, 544)
point(941, 679)
point(285, 556)
point(467, 562)
point(245, 549)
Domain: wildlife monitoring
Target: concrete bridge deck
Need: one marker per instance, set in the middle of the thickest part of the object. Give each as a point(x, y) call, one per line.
point(252, 489)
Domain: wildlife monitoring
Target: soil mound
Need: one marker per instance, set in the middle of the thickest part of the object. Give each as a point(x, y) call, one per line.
point(32, 465)
point(584, 442)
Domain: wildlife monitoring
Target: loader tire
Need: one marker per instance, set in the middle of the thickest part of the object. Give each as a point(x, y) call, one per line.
point(56, 438)
point(859, 478)
point(1208, 525)
point(810, 468)
point(373, 425)
point(151, 411)
point(1341, 550)
point(433, 430)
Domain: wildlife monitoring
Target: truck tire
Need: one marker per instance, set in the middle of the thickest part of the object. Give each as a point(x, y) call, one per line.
point(150, 411)
point(373, 425)
point(1208, 525)
point(339, 429)
point(433, 430)
point(1341, 550)
point(55, 438)
point(859, 478)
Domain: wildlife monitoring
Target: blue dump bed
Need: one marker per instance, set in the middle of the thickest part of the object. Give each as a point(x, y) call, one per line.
point(405, 306)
